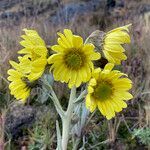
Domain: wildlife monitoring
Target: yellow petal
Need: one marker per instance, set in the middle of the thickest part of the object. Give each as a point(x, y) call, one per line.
point(88, 48)
point(64, 76)
point(95, 56)
point(109, 67)
point(90, 103)
point(61, 43)
point(123, 82)
point(89, 72)
point(79, 79)
point(14, 73)
point(84, 74)
point(92, 82)
point(96, 72)
point(121, 28)
point(101, 107)
point(68, 35)
point(73, 79)
point(110, 110)
point(120, 37)
point(108, 56)
point(41, 62)
point(65, 41)
point(14, 64)
point(57, 48)
point(120, 56)
point(77, 41)
point(123, 95)
point(116, 48)
point(24, 51)
point(53, 58)
point(90, 90)
point(117, 107)
point(122, 103)
point(57, 72)
point(127, 96)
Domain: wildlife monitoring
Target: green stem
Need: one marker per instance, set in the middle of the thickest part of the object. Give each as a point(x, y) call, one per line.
point(54, 98)
point(66, 120)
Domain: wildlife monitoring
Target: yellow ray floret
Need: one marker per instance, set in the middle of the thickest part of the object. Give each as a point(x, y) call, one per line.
point(18, 87)
point(34, 45)
point(30, 69)
point(72, 62)
point(108, 90)
point(112, 44)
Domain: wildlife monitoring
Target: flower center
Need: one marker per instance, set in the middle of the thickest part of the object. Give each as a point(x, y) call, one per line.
point(74, 60)
point(103, 91)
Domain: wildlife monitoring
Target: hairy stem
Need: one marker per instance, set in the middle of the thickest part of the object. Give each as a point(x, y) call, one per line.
point(66, 120)
point(53, 96)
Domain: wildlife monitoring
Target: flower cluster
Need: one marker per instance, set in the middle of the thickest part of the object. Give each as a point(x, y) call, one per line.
point(72, 62)
point(30, 67)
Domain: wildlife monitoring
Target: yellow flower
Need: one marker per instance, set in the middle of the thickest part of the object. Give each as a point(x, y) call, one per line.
point(18, 77)
point(72, 62)
point(23, 75)
point(108, 90)
point(18, 86)
point(30, 69)
point(112, 44)
point(35, 59)
point(34, 45)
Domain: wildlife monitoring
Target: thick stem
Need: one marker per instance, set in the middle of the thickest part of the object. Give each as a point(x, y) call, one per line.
point(65, 133)
point(66, 121)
